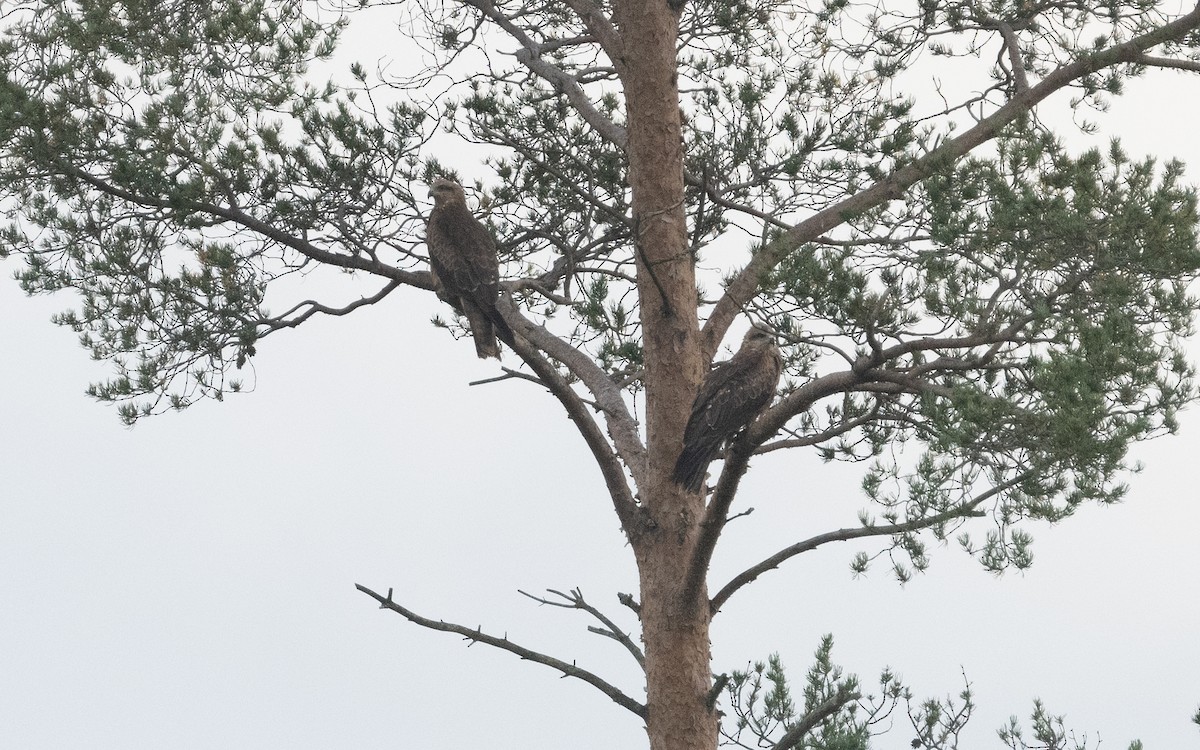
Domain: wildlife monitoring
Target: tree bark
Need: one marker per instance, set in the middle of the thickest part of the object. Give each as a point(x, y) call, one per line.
point(675, 621)
point(675, 625)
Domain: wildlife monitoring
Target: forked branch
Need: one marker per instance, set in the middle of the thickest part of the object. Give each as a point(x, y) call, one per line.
point(620, 423)
point(577, 410)
point(575, 600)
point(475, 635)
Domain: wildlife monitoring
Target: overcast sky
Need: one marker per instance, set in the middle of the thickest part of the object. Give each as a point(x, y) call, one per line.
point(190, 583)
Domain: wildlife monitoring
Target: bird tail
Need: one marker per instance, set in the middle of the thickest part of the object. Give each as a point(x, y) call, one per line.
point(500, 326)
point(485, 340)
point(693, 462)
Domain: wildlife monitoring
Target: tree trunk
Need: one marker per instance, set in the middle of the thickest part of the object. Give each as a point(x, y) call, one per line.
point(678, 656)
point(674, 621)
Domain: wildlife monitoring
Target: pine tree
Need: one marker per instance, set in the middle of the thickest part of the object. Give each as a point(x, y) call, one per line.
point(982, 316)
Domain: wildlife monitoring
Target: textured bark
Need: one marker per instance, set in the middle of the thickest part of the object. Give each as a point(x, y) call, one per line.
point(678, 656)
point(675, 621)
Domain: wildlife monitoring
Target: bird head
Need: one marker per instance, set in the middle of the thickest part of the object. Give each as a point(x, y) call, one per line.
point(446, 191)
point(757, 338)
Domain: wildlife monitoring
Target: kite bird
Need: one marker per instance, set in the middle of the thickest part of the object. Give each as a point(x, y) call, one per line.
point(733, 394)
point(462, 256)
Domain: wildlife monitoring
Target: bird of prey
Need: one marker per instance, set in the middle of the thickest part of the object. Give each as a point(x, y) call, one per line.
point(462, 256)
point(732, 395)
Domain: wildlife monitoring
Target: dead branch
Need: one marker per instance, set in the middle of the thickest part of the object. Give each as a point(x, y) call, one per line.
point(575, 600)
point(475, 635)
point(312, 307)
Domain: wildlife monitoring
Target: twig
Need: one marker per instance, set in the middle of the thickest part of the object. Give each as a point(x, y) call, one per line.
point(715, 692)
point(629, 601)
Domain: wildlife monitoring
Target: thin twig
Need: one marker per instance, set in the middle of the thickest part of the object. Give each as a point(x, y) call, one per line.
point(509, 374)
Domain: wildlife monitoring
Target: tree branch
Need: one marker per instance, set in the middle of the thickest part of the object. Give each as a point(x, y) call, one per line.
point(601, 27)
point(419, 279)
point(793, 736)
point(620, 423)
point(478, 636)
point(314, 307)
point(530, 55)
point(965, 510)
point(824, 435)
point(745, 284)
point(575, 600)
point(1168, 62)
point(737, 460)
point(1013, 48)
point(603, 453)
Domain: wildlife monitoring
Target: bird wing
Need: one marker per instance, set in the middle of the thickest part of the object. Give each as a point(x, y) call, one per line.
point(463, 254)
point(732, 395)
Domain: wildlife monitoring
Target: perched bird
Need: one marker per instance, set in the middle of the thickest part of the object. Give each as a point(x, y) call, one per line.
point(462, 256)
point(733, 394)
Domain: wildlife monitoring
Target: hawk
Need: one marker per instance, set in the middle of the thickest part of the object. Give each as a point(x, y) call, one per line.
point(462, 256)
point(732, 395)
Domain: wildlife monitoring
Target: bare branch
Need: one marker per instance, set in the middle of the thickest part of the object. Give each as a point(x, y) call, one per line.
point(476, 635)
point(533, 285)
point(509, 374)
point(575, 600)
point(577, 411)
point(1011, 45)
point(620, 423)
point(314, 307)
point(601, 27)
point(629, 601)
point(1168, 62)
point(715, 691)
point(824, 435)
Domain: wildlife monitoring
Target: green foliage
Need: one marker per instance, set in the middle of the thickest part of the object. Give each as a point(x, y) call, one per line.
point(165, 161)
point(835, 715)
point(1046, 311)
point(1048, 732)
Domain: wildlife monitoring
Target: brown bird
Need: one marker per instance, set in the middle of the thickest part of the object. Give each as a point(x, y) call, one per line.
point(732, 395)
point(462, 256)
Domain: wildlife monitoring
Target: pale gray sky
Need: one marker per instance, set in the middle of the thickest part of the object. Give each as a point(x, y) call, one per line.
point(189, 583)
